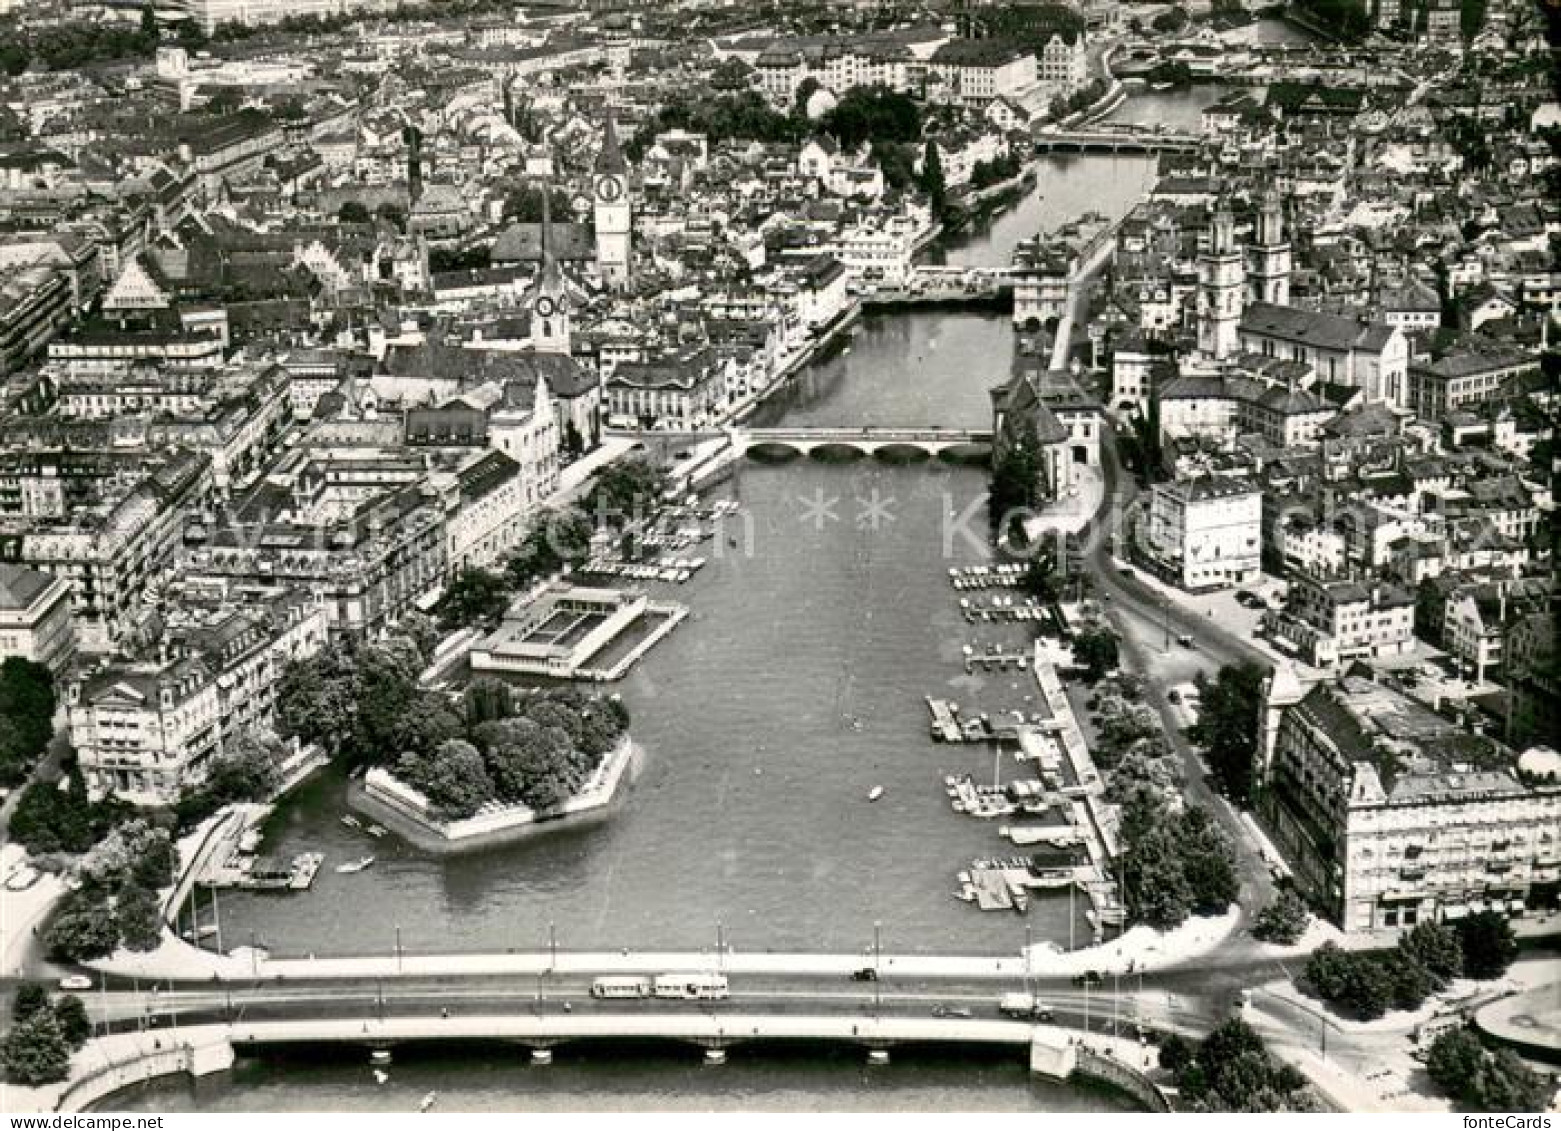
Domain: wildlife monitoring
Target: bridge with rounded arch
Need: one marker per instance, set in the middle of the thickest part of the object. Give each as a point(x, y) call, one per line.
point(865, 441)
point(1126, 140)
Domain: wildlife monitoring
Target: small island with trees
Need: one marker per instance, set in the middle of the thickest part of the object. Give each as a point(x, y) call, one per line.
point(520, 760)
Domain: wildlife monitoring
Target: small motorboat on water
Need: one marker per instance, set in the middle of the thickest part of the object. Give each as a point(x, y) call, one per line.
point(375, 831)
point(350, 821)
point(875, 793)
point(354, 865)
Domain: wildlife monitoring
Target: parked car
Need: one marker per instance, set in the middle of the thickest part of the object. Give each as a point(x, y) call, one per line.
point(1186, 641)
point(1089, 978)
point(950, 1011)
point(76, 982)
point(865, 974)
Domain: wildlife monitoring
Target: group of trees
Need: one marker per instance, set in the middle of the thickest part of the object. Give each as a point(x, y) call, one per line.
point(26, 717)
point(117, 903)
point(1087, 95)
point(984, 174)
point(534, 749)
point(1227, 726)
point(1481, 1079)
point(1283, 921)
point(1096, 650)
point(359, 701)
point(1366, 984)
point(249, 768)
point(1015, 485)
point(42, 1036)
point(67, 46)
point(53, 817)
point(1129, 742)
point(1231, 1070)
point(1172, 864)
point(523, 204)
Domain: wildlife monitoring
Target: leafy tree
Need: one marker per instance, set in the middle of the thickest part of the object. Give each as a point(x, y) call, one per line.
point(36, 1052)
point(140, 918)
point(1488, 945)
point(50, 819)
point(1176, 1052)
point(422, 631)
point(1016, 474)
point(134, 847)
point(487, 699)
point(453, 778)
point(1437, 948)
point(1231, 1070)
point(873, 113)
point(1227, 726)
point(27, 704)
point(30, 998)
point(1041, 579)
point(624, 491)
point(1357, 983)
point(1284, 920)
point(354, 212)
point(317, 699)
point(75, 1025)
point(1096, 651)
point(1481, 1079)
point(428, 723)
point(932, 181)
point(248, 769)
point(731, 74)
point(84, 928)
point(476, 598)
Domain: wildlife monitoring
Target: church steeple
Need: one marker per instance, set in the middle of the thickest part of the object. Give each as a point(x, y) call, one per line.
point(614, 218)
point(1221, 287)
point(550, 331)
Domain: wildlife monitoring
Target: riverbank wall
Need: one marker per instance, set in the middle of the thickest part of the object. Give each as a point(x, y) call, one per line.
point(382, 798)
point(1110, 1071)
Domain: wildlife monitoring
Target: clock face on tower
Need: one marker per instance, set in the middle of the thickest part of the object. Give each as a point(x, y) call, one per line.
point(545, 306)
point(609, 187)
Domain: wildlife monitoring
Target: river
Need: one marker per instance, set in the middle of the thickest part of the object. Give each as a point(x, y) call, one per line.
point(794, 689)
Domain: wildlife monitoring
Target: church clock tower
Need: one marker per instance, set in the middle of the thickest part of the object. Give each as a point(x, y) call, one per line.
point(550, 329)
point(614, 221)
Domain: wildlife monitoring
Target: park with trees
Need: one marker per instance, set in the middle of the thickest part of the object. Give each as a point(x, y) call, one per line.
point(1231, 1070)
point(1482, 1079)
point(514, 747)
point(1172, 864)
point(27, 703)
point(1368, 984)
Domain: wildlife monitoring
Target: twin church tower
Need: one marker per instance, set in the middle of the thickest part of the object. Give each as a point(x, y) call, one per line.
point(1229, 275)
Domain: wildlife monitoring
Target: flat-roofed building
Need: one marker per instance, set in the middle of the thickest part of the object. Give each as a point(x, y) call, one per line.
point(35, 619)
point(1207, 532)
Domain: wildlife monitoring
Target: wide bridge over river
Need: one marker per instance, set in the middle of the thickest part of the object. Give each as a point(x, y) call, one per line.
point(864, 441)
point(1105, 139)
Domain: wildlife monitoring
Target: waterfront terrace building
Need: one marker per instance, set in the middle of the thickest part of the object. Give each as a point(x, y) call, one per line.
point(1391, 815)
point(35, 619)
point(117, 540)
point(1329, 622)
point(1372, 357)
point(146, 730)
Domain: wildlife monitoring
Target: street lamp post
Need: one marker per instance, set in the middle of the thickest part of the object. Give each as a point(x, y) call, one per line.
point(720, 945)
point(1027, 937)
point(877, 969)
point(398, 948)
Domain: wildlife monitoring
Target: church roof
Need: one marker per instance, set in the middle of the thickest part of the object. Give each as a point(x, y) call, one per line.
point(522, 243)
